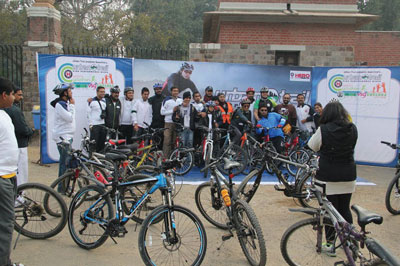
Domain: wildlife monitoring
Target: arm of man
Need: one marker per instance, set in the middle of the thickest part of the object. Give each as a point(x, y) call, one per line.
point(67, 116)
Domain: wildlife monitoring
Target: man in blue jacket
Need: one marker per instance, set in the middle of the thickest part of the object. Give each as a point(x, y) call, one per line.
point(271, 124)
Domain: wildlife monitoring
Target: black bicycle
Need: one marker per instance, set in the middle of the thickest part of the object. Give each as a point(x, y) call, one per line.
point(392, 199)
point(328, 239)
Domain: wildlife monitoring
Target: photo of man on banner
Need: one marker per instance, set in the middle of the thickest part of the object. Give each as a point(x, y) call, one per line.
point(181, 80)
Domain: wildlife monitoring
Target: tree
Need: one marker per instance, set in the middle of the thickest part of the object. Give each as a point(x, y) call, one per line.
point(388, 10)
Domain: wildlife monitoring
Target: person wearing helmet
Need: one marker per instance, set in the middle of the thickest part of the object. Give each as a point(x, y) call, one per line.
point(265, 100)
point(250, 92)
point(126, 120)
point(181, 80)
point(208, 94)
point(210, 116)
point(241, 119)
point(64, 123)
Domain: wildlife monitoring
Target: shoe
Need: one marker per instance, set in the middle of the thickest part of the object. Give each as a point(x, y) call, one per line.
point(17, 264)
point(328, 249)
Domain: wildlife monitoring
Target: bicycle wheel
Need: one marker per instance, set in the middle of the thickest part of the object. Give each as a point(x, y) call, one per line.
point(233, 153)
point(249, 233)
point(88, 216)
point(158, 246)
point(301, 244)
point(254, 159)
point(211, 205)
point(131, 194)
point(249, 186)
point(272, 149)
point(392, 199)
point(308, 198)
point(300, 156)
point(187, 161)
point(35, 217)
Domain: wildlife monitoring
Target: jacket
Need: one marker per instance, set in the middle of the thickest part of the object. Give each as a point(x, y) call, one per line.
point(142, 113)
point(126, 117)
point(226, 112)
point(336, 163)
point(177, 116)
point(94, 110)
point(240, 119)
point(176, 80)
point(64, 121)
point(167, 108)
point(215, 116)
point(156, 103)
point(272, 120)
point(304, 112)
point(22, 131)
point(113, 112)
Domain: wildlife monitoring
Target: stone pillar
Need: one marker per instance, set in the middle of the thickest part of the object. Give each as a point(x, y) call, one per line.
point(44, 36)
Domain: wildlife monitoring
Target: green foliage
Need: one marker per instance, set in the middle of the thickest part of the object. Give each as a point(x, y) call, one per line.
point(388, 10)
point(12, 25)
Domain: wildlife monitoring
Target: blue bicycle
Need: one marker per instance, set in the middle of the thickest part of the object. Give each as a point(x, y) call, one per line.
point(170, 234)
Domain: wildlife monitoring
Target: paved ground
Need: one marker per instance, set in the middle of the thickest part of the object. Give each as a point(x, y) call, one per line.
point(271, 208)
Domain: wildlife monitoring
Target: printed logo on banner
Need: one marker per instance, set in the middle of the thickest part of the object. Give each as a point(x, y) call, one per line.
point(368, 83)
point(65, 73)
point(304, 76)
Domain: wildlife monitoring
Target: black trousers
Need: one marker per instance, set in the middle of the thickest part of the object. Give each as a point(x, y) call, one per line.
point(98, 134)
point(278, 143)
point(127, 132)
point(341, 202)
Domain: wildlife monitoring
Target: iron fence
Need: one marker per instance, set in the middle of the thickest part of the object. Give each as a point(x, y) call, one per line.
point(11, 63)
point(136, 52)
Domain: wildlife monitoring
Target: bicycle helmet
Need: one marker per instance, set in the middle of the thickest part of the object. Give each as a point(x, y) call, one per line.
point(187, 66)
point(264, 89)
point(127, 89)
point(115, 89)
point(250, 89)
point(245, 101)
point(210, 103)
point(209, 88)
point(60, 88)
point(157, 85)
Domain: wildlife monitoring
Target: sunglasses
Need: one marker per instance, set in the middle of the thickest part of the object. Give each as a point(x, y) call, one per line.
point(246, 105)
point(188, 71)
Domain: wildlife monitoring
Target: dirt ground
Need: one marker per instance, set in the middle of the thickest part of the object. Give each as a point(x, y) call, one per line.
point(270, 206)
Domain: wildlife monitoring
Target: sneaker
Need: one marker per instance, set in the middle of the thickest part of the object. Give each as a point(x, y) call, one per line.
point(328, 249)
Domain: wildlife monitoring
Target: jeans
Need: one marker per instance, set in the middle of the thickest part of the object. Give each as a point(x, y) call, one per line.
point(187, 138)
point(63, 148)
point(8, 189)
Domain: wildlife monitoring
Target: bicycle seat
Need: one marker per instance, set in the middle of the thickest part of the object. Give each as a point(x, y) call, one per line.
point(115, 156)
point(228, 164)
point(365, 217)
point(132, 147)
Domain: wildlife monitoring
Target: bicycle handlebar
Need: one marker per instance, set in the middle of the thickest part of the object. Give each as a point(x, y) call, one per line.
point(391, 145)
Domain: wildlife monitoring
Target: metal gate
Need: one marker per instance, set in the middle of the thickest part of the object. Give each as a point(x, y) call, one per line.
point(11, 63)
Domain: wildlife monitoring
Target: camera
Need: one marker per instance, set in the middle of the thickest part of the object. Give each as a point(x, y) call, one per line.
point(103, 114)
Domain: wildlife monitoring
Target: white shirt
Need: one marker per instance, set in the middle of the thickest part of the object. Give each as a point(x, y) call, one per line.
point(94, 112)
point(8, 145)
point(302, 113)
point(167, 108)
point(199, 106)
point(64, 121)
point(142, 112)
point(126, 111)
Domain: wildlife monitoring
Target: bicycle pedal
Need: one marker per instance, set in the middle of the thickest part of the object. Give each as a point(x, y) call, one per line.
point(227, 237)
point(277, 188)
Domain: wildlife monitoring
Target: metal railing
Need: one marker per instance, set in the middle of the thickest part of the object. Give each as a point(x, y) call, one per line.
point(11, 63)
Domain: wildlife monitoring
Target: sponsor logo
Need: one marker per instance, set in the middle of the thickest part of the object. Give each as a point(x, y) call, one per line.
point(336, 83)
point(65, 73)
point(304, 76)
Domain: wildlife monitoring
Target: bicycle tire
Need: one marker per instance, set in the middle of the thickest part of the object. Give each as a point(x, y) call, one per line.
point(308, 198)
point(100, 209)
point(149, 238)
point(249, 233)
point(131, 194)
point(248, 187)
point(300, 156)
point(254, 159)
point(268, 167)
point(33, 211)
point(203, 198)
point(299, 243)
point(234, 153)
point(187, 158)
point(207, 161)
point(392, 197)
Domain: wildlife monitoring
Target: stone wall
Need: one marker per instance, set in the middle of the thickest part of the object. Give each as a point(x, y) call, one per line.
point(265, 54)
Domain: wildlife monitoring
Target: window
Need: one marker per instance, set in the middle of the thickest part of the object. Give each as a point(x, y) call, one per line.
point(283, 58)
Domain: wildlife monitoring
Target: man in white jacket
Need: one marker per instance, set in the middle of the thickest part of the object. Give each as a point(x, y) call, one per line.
point(167, 109)
point(142, 113)
point(64, 122)
point(126, 118)
point(96, 111)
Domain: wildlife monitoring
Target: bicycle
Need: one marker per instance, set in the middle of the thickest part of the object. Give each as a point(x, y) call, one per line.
point(302, 243)
point(182, 153)
point(392, 198)
point(91, 222)
point(39, 211)
point(232, 213)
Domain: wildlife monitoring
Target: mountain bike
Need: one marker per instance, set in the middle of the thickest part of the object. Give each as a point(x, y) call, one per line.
point(168, 231)
point(39, 211)
point(328, 239)
point(219, 204)
point(185, 154)
point(392, 198)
